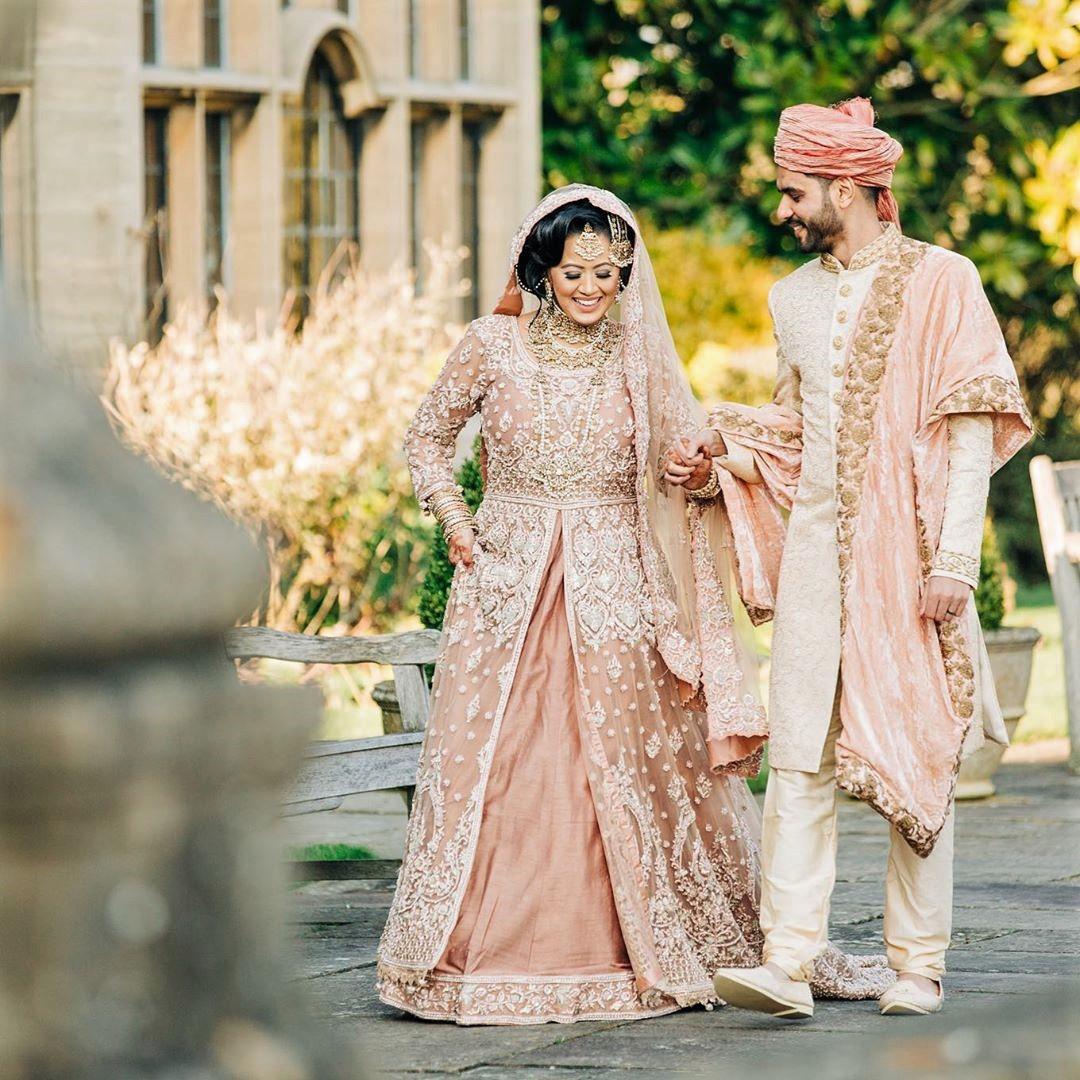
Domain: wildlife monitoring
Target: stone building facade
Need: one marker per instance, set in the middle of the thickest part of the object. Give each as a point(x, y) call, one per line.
point(152, 150)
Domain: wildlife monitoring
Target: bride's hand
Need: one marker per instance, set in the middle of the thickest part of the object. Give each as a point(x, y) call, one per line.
point(461, 547)
point(689, 462)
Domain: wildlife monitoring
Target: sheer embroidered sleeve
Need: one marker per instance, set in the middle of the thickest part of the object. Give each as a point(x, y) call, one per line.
point(457, 395)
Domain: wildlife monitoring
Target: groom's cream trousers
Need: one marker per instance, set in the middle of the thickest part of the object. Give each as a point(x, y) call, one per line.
point(798, 851)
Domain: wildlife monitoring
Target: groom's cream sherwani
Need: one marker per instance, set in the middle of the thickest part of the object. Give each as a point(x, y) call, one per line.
point(894, 371)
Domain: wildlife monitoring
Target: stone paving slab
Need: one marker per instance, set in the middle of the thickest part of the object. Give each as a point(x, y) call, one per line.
point(1016, 934)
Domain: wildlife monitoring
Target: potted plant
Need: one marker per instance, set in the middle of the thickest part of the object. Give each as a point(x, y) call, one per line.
point(1011, 650)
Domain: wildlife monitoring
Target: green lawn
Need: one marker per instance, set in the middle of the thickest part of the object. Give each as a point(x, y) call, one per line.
point(329, 853)
point(1046, 717)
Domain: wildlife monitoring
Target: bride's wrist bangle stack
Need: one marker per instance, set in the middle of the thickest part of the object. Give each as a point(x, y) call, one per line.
point(709, 490)
point(451, 512)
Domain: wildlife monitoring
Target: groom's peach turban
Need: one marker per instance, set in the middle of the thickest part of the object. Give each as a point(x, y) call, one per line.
point(841, 141)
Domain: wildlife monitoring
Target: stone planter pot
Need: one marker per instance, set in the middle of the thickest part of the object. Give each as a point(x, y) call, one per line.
point(1011, 652)
point(385, 696)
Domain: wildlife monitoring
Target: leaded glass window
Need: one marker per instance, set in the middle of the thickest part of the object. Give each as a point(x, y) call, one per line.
point(322, 150)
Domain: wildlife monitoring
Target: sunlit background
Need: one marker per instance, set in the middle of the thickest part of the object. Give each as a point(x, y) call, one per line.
point(257, 225)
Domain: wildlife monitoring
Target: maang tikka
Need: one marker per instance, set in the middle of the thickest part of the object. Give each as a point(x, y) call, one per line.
point(588, 245)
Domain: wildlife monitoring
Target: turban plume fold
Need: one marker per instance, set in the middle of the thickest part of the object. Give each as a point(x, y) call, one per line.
point(841, 141)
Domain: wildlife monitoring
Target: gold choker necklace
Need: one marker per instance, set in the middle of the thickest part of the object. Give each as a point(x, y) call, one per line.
point(557, 339)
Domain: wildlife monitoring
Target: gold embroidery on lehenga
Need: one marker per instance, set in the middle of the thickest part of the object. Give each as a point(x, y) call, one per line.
point(604, 573)
point(533, 999)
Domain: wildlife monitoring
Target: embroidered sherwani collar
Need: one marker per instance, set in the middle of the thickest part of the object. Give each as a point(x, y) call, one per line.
point(868, 254)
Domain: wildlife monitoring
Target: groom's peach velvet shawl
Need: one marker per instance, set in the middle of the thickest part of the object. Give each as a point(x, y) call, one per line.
point(927, 346)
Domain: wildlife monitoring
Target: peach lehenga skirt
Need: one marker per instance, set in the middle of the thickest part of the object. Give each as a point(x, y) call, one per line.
point(538, 926)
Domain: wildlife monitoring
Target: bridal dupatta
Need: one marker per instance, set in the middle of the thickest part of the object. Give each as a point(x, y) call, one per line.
point(927, 346)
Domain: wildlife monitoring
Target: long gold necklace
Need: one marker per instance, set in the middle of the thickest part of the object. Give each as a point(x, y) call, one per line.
point(564, 463)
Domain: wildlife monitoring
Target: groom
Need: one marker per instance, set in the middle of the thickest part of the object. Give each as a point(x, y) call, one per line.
point(895, 400)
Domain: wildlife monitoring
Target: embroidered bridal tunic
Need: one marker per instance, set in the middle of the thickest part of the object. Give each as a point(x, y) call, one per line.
point(568, 850)
point(570, 853)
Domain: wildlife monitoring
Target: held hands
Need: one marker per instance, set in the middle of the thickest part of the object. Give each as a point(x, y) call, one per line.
point(689, 462)
point(945, 598)
point(461, 547)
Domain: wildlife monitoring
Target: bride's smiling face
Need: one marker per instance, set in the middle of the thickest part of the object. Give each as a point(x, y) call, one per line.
point(585, 289)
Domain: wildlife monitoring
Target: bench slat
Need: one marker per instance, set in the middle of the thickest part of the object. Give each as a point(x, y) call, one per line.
point(414, 696)
point(336, 775)
point(411, 647)
point(329, 747)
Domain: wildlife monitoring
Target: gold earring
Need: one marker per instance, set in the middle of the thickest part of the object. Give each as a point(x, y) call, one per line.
point(549, 295)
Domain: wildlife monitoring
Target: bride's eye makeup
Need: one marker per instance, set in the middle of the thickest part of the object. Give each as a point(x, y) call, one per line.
point(571, 275)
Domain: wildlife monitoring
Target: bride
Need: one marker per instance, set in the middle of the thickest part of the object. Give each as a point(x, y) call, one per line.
point(582, 845)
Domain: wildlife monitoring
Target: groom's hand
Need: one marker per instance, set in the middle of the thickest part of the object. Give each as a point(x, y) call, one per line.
point(945, 598)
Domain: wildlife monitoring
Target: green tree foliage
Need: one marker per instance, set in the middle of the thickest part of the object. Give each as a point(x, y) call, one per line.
point(674, 103)
point(435, 590)
point(713, 291)
point(990, 592)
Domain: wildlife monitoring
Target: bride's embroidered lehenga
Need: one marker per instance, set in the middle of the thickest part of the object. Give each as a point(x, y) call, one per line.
point(572, 853)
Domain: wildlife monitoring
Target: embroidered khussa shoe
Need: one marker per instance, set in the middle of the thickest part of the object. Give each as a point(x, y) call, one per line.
point(762, 991)
point(904, 998)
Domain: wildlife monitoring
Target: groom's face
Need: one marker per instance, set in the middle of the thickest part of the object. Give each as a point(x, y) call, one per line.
point(806, 207)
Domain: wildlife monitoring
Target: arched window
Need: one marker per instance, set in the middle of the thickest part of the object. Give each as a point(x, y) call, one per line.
point(322, 148)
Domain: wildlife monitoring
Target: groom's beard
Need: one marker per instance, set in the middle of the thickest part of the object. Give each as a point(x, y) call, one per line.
point(823, 231)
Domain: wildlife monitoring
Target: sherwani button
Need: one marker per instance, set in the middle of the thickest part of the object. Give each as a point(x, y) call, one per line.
point(845, 290)
point(841, 316)
point(837, 342)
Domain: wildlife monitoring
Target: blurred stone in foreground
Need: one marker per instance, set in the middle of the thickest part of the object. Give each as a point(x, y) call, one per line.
point(141, 886)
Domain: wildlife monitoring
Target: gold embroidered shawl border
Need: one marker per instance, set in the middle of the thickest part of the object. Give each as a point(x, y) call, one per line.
point(861, 393)
point(735, 420)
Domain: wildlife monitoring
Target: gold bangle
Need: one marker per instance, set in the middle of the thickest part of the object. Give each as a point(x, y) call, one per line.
point(457, 526)
point(461, 513)
point(443, 499)
point(709, 490)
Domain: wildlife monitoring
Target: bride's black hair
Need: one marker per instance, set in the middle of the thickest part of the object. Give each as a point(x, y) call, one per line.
point(544, 246)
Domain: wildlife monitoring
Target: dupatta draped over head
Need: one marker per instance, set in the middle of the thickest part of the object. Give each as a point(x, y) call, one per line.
point(686, 551)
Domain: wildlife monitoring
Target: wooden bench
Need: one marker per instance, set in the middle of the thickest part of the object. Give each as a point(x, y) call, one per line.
point(1057, 501)
point(333, 770)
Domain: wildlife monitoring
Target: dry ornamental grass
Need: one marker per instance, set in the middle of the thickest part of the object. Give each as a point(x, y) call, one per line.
point(297, 435)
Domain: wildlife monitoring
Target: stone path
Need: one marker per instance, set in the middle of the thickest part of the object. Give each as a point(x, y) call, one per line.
point(1013, 1005)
